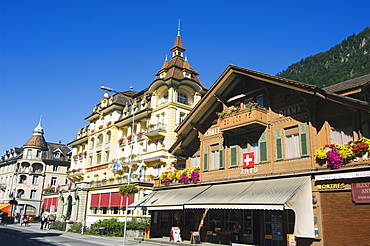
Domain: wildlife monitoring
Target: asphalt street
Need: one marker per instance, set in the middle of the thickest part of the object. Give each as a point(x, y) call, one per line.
point(15, 235)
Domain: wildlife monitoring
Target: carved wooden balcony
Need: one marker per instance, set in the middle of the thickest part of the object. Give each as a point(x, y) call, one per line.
point(244, 118)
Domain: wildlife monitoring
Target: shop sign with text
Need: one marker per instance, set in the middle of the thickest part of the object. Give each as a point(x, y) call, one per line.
point(361, 192)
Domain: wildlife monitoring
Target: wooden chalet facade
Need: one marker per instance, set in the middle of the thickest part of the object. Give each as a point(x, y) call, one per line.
point(255, 138)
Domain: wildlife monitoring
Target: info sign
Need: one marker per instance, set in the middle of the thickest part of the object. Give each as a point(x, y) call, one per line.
point(361, 192)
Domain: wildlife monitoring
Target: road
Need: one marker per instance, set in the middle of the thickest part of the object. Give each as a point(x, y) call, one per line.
point(15, 235)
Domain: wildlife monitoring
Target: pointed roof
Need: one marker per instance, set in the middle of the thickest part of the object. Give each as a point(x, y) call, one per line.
point(37, 139)
point(175, 68)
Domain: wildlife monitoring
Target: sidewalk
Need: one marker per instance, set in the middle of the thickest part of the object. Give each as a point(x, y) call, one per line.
point(35, 227)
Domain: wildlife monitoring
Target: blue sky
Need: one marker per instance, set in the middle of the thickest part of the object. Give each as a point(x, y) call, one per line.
point(55, 55)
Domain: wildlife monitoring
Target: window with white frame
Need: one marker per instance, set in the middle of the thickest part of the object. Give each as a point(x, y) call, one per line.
point(29, 154)
point(195, 161)
point(181, 98)
point(291, 141)
point(342, 135)
point(35, 180)
point(53, 181)
point(214, 162)
point(157, 170)
point(33, 194)
point(182, 117)
point(57, 154)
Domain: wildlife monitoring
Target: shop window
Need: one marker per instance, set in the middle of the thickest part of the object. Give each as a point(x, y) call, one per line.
point(165, 219)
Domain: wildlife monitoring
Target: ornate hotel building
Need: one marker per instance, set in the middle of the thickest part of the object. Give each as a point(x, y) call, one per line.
point(128, 133)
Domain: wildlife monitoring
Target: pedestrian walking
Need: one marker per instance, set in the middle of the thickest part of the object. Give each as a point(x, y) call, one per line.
point(43, 221)
point(21, 219)
point(27, 220)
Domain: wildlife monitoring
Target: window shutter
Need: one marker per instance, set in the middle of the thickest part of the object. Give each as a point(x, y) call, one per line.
point(205, 158)
point(279, 144)
point(233, 155)
point(303, 139)
point(263, 148)
point(222, 155)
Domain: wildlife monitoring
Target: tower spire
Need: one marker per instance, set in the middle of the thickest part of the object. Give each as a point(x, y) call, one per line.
point(178, 29)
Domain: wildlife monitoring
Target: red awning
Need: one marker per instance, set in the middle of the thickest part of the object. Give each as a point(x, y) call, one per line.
point(115, 199)
point(95, 199)
point(104, 200)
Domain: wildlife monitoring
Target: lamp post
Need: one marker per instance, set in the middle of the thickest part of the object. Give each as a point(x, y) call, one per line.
point(131, 152)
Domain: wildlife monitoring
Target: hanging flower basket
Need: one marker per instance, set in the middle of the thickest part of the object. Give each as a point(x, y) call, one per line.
point(128, 190)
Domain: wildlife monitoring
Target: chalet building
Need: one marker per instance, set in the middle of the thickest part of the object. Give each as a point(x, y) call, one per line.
point(27, 172)
point(128, 133)
point(268, 159)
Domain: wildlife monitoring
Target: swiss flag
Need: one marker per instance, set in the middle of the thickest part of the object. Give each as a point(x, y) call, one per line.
point(248, 160)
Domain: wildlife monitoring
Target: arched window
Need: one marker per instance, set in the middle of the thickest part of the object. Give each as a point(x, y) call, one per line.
point(23, 179)
point(181, 98)
point(69, 206)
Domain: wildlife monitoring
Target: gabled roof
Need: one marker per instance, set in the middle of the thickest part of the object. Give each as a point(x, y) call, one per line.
point(348, 85)
point(199, 117)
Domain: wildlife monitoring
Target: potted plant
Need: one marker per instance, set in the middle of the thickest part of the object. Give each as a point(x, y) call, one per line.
point(128, 189)
point(251, 104)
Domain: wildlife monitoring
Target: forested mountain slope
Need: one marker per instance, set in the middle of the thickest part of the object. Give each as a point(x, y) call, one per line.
point(347, 60)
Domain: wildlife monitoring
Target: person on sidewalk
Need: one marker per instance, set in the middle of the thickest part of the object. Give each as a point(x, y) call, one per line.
point(43, 221)
point(27, 220)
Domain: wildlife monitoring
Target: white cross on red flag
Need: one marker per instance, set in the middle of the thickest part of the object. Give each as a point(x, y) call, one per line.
point(248, 160)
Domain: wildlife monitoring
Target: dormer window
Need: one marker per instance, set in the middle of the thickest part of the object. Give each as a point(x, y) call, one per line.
point(162, 75)
point(57, 154)
point(187, 75)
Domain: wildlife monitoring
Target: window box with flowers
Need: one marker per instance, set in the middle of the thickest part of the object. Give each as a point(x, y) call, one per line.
point(251, 104)
point(129, 137)
point(140, 134)
point(48, 190)
point(100, 127)
point(335, 155)
point(128, 189)
point(120, 141)
point(109, 123)
point(185, 176)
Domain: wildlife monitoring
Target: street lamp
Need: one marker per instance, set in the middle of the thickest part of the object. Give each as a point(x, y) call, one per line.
point(131, 150)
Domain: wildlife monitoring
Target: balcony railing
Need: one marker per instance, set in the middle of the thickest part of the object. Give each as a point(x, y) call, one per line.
point(244, 118)
point(155, 129)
